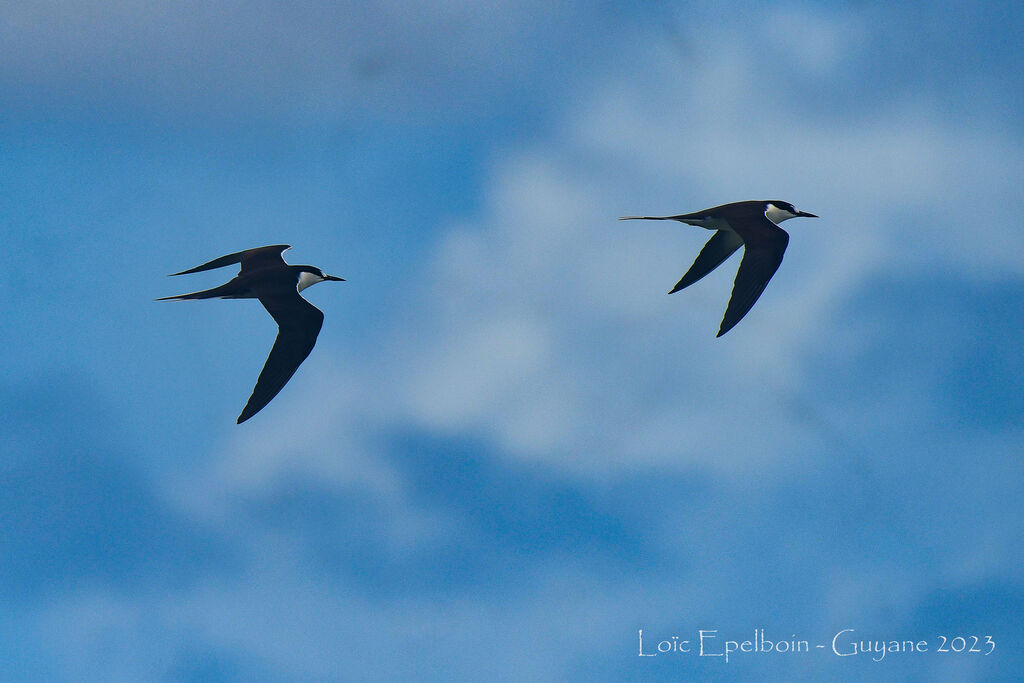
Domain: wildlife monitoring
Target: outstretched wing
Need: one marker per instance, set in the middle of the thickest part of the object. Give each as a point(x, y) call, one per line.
point(250, 259)
point(762, 255)
point(721, 246)
point(299, 323)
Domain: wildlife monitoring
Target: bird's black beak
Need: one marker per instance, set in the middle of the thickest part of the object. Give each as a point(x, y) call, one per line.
point(805, 214)
point(336, 279)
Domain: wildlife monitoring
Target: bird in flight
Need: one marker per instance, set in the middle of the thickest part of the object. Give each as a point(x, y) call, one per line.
point(264, 275)
point(752, 225)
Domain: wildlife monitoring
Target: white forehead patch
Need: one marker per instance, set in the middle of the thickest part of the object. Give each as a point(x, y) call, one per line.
point(307, 279)
point(777, 215)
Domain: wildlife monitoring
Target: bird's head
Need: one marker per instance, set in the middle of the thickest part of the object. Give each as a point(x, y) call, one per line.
point(777, 211)
point(310, 275)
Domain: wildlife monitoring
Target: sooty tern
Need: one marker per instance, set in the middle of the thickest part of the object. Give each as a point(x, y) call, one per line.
point(264, 275)
point(752, 224)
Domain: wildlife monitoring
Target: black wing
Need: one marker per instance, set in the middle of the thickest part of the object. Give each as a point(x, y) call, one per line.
point(720, 247)
point(250, 258)
point(762, 255)
point(299, 322)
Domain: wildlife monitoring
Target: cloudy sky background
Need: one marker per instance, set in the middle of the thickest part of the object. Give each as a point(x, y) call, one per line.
point(510, 449)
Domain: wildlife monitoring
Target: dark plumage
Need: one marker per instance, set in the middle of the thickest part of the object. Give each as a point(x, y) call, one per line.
point(750, 224)
point(264, 275)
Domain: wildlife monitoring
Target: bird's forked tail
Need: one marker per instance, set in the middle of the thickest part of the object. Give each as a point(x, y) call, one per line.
point(223, 290)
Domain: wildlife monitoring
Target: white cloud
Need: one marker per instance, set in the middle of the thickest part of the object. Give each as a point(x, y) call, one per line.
point(543, 325)
point(547, 249)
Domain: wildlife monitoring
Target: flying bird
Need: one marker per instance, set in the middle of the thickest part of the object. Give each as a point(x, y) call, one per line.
point(752, 225)
point(264, 275)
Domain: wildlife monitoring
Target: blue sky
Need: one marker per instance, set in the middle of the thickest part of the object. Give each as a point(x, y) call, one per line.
point(509, 451)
